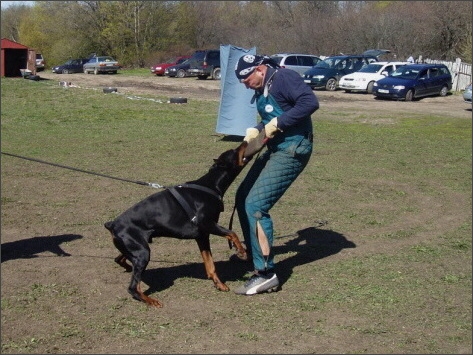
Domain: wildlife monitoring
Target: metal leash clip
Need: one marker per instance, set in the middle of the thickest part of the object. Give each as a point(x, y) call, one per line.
point(155, 185)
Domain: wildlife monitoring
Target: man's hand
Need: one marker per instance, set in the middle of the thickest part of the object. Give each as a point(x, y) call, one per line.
point(271, 128)
point(251, 133)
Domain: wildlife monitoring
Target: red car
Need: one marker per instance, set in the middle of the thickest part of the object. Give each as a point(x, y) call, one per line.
point(158, 69)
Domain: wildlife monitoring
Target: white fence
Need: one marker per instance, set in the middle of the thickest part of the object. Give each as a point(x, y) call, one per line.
point(461, 72)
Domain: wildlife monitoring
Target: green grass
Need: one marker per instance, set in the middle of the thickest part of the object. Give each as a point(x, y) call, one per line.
point(399, 191)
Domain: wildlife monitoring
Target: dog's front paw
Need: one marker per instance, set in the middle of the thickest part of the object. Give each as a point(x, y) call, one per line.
point(222, 287)
point(242, 255)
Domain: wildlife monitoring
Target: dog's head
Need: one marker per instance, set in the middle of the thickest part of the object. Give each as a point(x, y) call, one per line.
point(232, 158)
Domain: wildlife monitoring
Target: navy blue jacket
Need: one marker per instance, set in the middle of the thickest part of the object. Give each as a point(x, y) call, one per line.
point(293, 95)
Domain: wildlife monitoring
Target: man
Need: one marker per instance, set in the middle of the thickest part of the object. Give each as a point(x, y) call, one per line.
point(285, 104)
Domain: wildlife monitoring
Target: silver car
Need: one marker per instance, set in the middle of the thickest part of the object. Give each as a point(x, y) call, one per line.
point(101, 64)
point(467, 94)
point(297, 62)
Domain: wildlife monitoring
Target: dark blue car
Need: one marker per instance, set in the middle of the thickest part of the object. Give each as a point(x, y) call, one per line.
point(179, 70)
point(413, 81)
point(71, 66)
point(327, 73)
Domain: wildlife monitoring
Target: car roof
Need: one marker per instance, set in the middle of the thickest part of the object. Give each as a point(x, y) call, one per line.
point(391, 62)
point(423, 66)
point(284, 54)
point(376, 52)
point(351, 56)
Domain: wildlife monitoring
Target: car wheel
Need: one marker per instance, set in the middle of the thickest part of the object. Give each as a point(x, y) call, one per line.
point(443, 91)
point(331, 85)
point(410, 95)
point(65, 71)
point(348, 91)
point(217, 74)
point(369, 88)
point(96, 71)
point(181, 73)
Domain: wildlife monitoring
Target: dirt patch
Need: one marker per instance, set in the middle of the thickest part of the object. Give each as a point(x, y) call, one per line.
point(193, 88)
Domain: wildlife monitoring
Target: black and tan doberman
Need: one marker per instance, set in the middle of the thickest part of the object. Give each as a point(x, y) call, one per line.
point(187, 211)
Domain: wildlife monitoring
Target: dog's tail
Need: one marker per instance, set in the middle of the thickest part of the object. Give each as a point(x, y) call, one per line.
point(109, 225)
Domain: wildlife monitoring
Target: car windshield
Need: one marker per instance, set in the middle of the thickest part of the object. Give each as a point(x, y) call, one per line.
point(328, 63)
point(370, 68)
point(70, 61)
point(105, 59)
point(405, 72)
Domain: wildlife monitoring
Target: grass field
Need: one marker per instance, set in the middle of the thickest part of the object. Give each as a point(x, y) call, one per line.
point(373, 241)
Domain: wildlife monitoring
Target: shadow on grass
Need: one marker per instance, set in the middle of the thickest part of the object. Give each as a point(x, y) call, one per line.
point(29, 248)
point(159, 279)
point(309, 245)
point(232, 138)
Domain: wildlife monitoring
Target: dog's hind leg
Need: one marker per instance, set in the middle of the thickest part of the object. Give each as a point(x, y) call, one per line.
point(139, 255)
point(121, 260)
point(204, 247)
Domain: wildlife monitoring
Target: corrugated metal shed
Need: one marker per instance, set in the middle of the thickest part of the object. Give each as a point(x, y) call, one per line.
point(16, 56)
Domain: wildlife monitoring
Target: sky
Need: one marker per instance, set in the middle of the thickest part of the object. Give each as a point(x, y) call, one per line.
point(6, 4)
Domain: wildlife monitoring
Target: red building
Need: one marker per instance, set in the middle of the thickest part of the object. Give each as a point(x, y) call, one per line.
point(16, 56)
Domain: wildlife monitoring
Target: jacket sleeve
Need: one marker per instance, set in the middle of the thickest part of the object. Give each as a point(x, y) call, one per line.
point(295, 97)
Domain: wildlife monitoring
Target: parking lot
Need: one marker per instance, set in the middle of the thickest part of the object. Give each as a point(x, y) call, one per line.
point(193, 88)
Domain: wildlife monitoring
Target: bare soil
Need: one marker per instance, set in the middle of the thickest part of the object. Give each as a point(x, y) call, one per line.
point(34, 254)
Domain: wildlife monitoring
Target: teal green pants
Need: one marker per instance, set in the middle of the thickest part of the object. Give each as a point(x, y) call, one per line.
point(267, 180)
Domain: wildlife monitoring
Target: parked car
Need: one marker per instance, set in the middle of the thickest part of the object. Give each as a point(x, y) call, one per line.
point(101, 64)
point(40, 62)
point(467, 94)
point(158, 69)
point(413, 81)
point(179, 70)
point(297, 62)
point(327, 73)
point(71, 66)
point(363, 79)
point(205, 63)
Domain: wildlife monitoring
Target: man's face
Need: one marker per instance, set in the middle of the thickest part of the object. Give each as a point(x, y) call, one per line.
point(255, 80)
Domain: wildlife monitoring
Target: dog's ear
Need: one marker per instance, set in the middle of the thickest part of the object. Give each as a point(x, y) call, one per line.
point(241, 153)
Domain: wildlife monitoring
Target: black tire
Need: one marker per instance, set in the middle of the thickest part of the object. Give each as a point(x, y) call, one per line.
point(217, 74)
point(65, 71)
point(331, 84)
point(409, 95)
point(202, 77)
point(369, 88)
point(178, 100)
point(181, 73)
point(443, 91)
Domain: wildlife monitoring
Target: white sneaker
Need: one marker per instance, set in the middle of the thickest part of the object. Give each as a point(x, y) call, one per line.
point(259, 284)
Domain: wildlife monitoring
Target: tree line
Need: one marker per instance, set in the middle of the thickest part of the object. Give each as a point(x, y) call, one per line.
point(141, 33)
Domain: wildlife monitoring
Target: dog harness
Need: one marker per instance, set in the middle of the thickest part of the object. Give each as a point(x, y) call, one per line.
point(174, 190)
